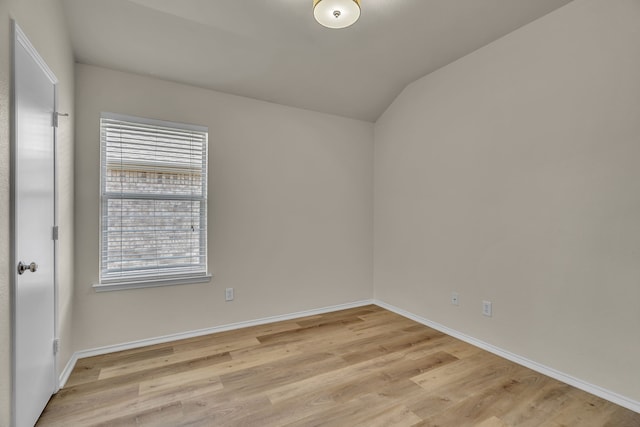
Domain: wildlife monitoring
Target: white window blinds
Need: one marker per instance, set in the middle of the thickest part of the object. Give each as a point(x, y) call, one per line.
point(154, 199)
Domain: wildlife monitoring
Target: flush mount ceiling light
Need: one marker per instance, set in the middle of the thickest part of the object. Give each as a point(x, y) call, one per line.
point(336, 13)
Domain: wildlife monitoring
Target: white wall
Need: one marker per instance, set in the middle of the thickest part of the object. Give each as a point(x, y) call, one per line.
point(512, 175)
point(44, 24)
point(290, 210)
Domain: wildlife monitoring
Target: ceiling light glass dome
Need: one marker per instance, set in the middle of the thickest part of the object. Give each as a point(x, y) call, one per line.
point(336, 13)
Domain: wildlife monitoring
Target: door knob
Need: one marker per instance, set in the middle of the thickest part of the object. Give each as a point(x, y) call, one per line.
point(22, 267)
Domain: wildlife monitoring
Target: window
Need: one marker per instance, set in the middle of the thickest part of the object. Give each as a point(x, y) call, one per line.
point(153, 203)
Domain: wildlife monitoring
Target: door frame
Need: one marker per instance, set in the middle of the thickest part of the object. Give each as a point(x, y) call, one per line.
point(19, 37)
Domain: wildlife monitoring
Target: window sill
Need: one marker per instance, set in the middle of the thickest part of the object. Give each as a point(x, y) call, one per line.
point(151, 283)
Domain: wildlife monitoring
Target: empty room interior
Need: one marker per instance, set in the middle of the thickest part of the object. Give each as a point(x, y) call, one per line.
point(334, 212)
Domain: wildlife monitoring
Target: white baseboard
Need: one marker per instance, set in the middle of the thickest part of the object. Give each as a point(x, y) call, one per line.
point(64, 376)
point(545, 370)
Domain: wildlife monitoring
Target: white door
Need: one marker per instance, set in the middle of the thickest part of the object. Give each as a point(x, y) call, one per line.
point(33, 175)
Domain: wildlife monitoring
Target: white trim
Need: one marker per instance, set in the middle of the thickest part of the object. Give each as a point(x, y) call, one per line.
point(66, 372)
point(64, 376)
point(545, 370)
point(21, 37)
point(151, 283)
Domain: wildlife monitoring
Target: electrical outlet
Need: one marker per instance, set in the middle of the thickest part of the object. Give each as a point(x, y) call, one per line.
point(228, 294)
point(455, 298)
point(486, 308)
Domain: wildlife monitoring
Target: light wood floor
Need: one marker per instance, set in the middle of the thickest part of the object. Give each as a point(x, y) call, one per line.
point(359, 367)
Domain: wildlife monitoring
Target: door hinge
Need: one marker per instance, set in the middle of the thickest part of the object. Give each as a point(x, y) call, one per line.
point(56, 346)
point(55, 232)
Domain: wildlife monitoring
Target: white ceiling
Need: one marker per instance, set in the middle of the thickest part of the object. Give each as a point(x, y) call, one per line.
point(275, 51)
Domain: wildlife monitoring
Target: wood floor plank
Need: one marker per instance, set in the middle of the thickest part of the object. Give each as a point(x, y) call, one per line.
point(106, 412)
point(128, 367)
point(87, 389)
point(214, 410)
point(337, 378)
point(359, 367)
point(368, 410)
point(194, 377)
point(58, 410)
point(163, 416)
point(493, 422)
point(264, 377)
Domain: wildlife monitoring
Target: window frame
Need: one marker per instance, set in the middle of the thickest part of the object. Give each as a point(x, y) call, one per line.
point(142, 280)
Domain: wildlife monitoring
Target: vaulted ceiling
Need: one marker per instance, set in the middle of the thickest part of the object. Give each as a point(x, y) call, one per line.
point(275, 51)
